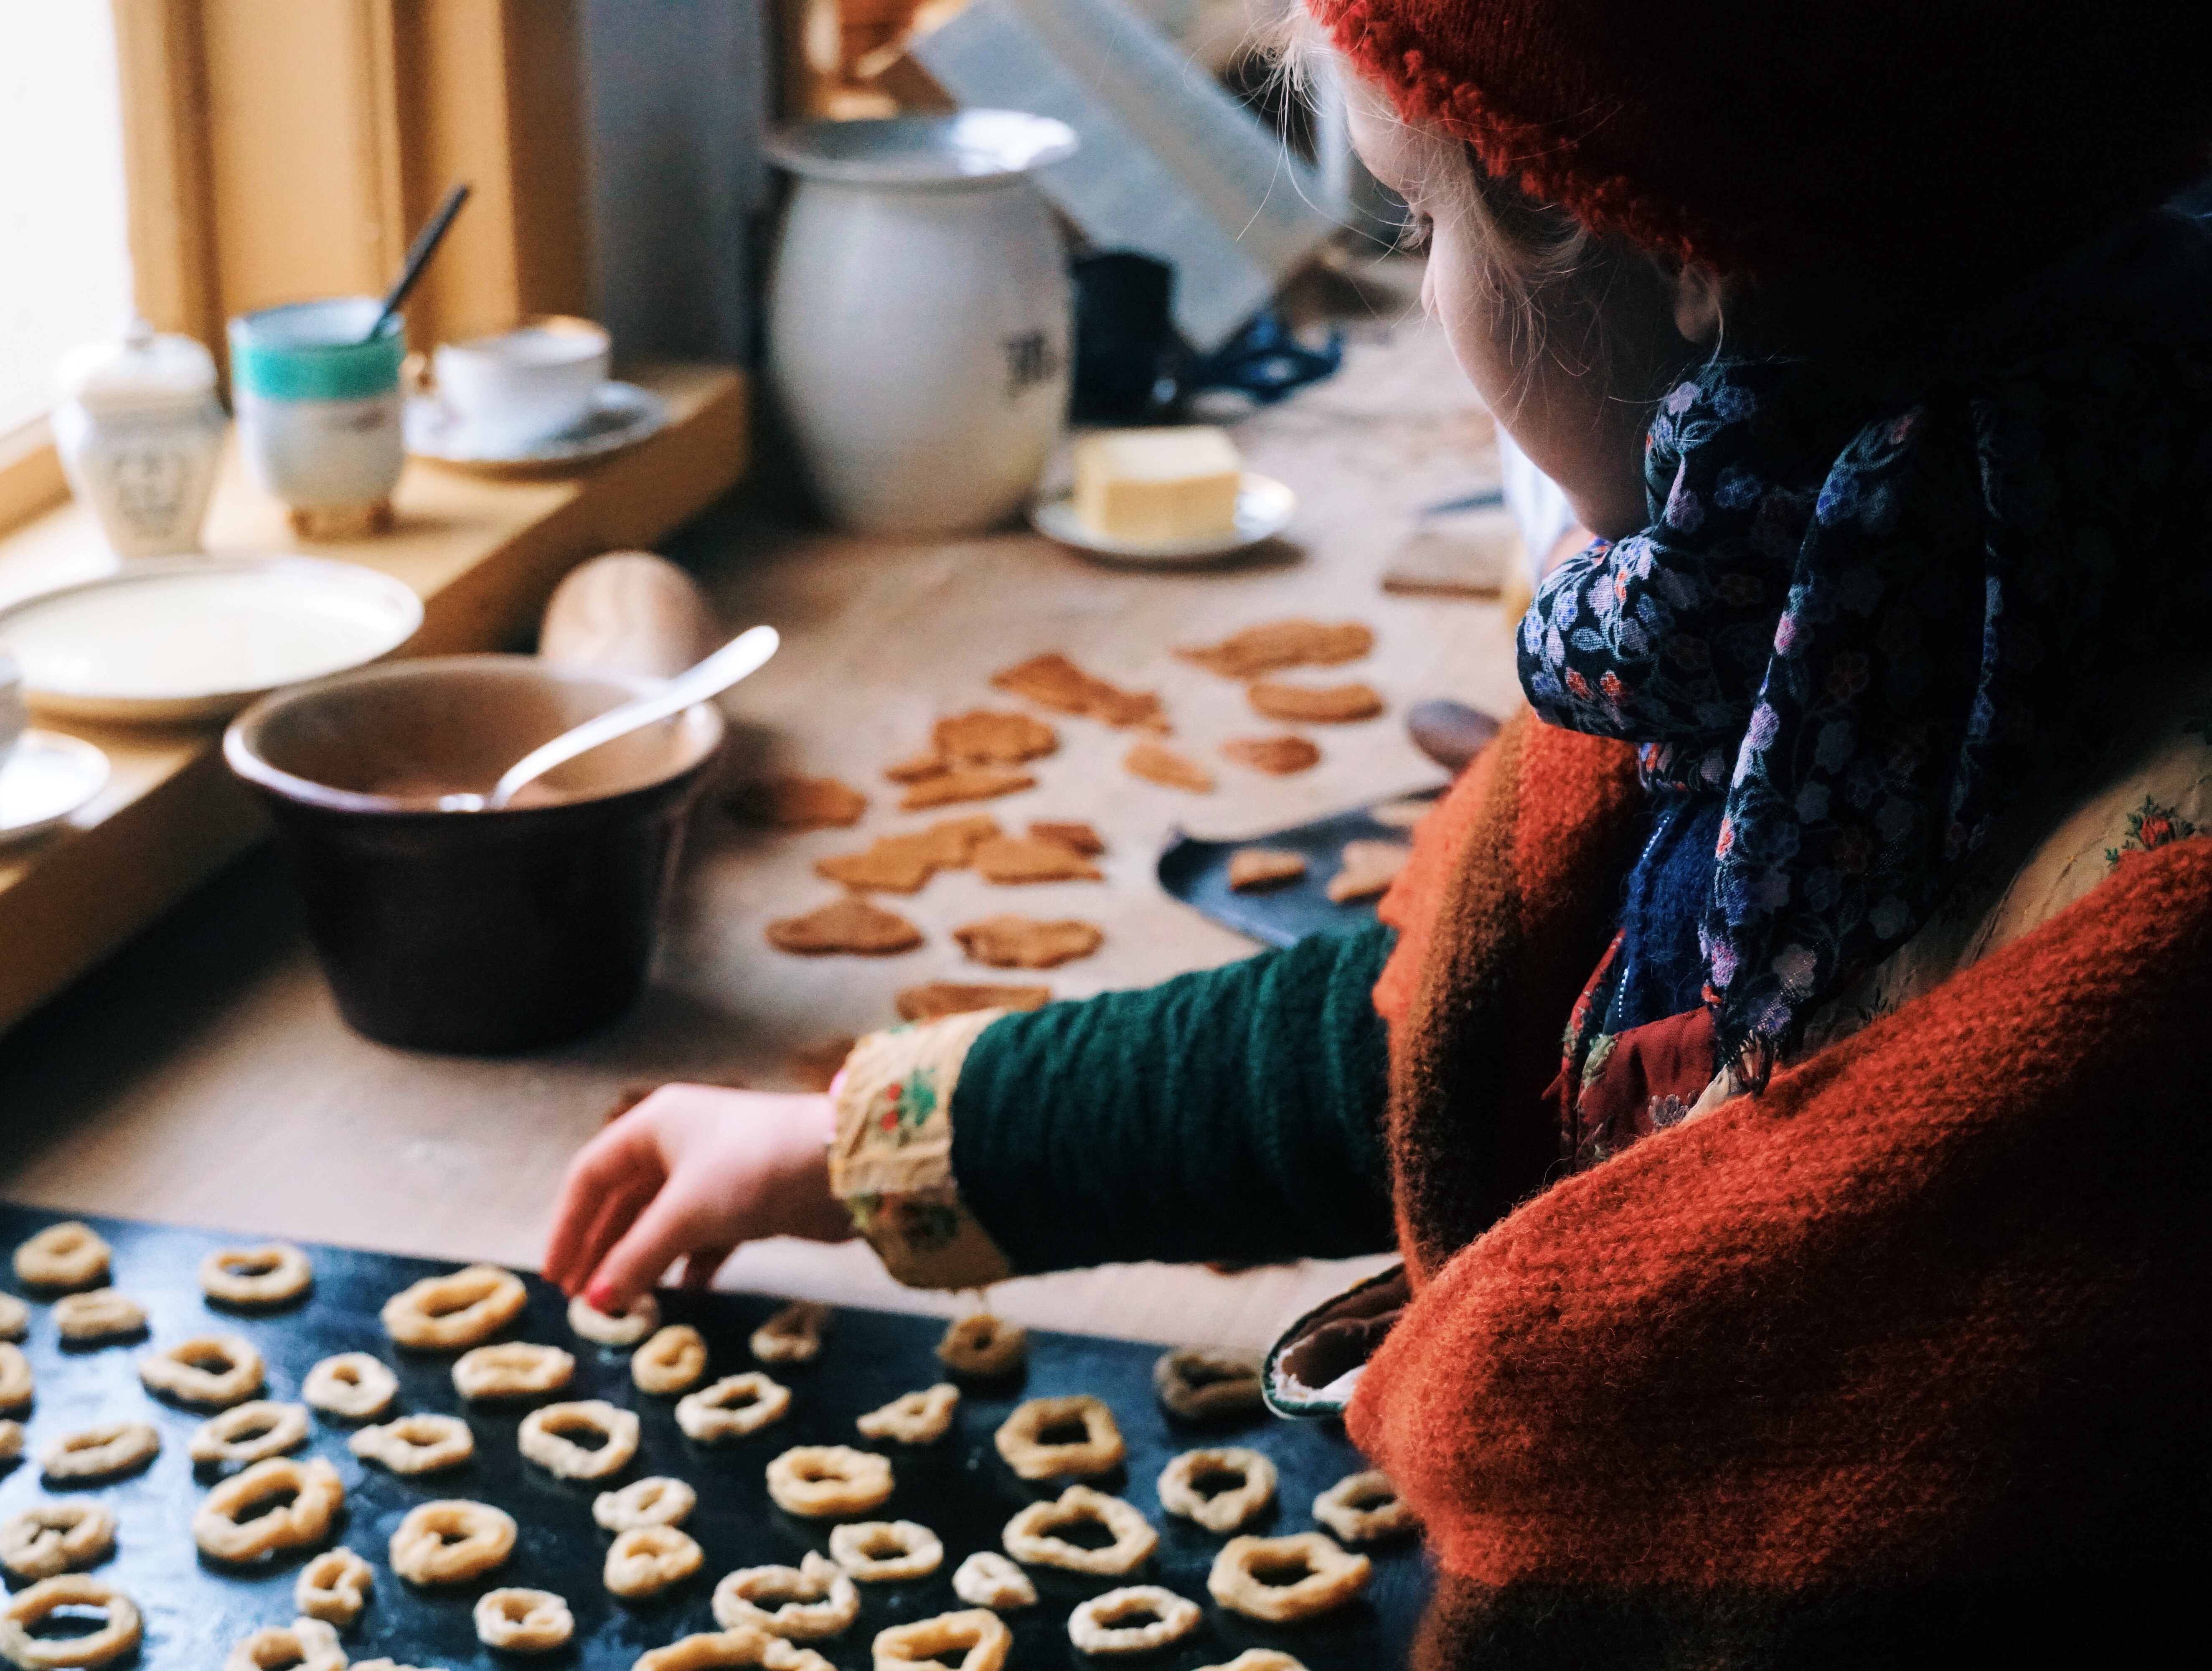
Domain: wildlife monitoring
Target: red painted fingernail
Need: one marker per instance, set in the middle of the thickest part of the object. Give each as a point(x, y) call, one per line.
point(599, 1296)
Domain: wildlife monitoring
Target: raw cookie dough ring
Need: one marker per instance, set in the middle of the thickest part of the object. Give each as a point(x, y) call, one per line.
point(1226, 1510)
point(305, 1644)
point(451, 1542)
point(586, 1322)
point(817, 1599)
point(1028, 1538)
point(646, 1559)
point(794, 1334)
point(464, 1308)
point(1365, 1508)
point(920, 1418)
point(881, 1551)
point(317, 1496)
point(64, 1255)
point(674, 1359)
point(740, 1649)
point(714, 1413)
point(386, 1665)
point(416, 1444)
point(181, 1371)
point(1205, 1386)
point(11, 1440)
point(18, 1383)
point(250, 1432)
point(271, 1275)
point(353, 1384)
point(116, 1637)
point(515, 1370)
point(983, 1347)
point(1252, 1659)
point(821, 1481)
point(98, 1314)
point(101, 1452)
point(1332, 1577)
point(988, 1579)
point(1019, 1437)
point(657, 1501)
point(544, 1438)
point(14, 1318)
point(49, 1539)
point(333, 1586)
point(979, 1636)
point(523, 1621)
point(1094, 1626)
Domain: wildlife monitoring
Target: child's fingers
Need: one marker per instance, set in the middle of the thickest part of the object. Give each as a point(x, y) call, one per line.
point(599, 1167)
point(615, 1215)
point(701, 1264)
point(672, 1225)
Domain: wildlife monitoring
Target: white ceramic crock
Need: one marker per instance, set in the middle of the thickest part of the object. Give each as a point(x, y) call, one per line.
point(139, 432)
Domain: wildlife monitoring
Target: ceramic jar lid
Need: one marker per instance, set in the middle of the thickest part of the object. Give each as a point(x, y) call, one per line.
point(145, 369)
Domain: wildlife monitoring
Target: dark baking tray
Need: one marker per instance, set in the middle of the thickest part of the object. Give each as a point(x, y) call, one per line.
point(195, 1610)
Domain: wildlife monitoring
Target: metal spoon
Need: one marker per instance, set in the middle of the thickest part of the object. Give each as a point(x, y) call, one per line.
point(742, 655)
point(419, 256)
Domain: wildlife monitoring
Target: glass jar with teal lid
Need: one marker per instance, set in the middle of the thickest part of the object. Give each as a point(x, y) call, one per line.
point(318, 403)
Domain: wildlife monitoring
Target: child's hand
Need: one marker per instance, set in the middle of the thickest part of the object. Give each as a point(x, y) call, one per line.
point(690, 1172)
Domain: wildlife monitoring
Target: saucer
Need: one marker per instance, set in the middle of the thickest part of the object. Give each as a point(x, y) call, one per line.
point(622, 415)
point(44, 778)
point(1264, 508)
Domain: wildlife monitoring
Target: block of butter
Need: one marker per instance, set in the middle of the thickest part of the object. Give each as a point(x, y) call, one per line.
point(1156, 485)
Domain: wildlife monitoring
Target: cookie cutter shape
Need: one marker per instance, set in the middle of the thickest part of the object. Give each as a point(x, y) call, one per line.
point(1365, 1508)
point(225, 1531)
point(1249, 1574)
point(646, 1559)
point(512, 1370)
point(1101, 1625)
point(1025, 1439)
point(250, 1432)
point(118, 1635)
point(214, 1370)
point(305, 1644)
point(921, 1417)
point(451, 1542)
point(333, 1586)
point(271, 1275)
point(49, 1539)
point(988, 1579)
point(1205, 1386)
point(733, 1407)
point(881, 1551)
point(671, 1360)
point(1028, 1535)
point(1182, 1482)
point(822, 1481)
point(353, 1384)
point(64, 1255)
point(983, 1346)
point(101, 1452)
point(98, 1314)
point(712, 1651)
point(543, 1437)
point(14, 1318)
point(603, 1328)
point(794, 1334)
point(523, 1621)
point(977, 1635)
point(814, 1599)
point(18, 1382)
point(462, 1309)
point(416, 1444)
point(658, 1501)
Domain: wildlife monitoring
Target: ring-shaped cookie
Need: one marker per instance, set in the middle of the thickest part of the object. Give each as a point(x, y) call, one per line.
point(979, 1636)
point(416, 1444)
point(98, 1314)
point(1096, 1627)
point(333, 1586)
point(674, 1359)
point(224, 1531)
point(451, 1542)
point(250, 1432)
point(586, 1322)
point(740, 1649)
point(101, 1452)
point(1022, 1440)
point(1224, 1510)
point(794, 1334)
point(64, 1255)
point(523, 1621)
point(1252, 1659)
point(382, 1665)
point(881, 1551)
point(1028, 1538)
point(657, 1501)
point(514, 1369)
point(988, 1579)
point(186, 1371)
point(18, 1382)
point(268, 1275)
point(1365, 1508)
point(1205, 1386)
point(11, 1440)
point(14, 1318)
point(821, 1481)
point(49, 1539)
point(114, 1639)
point(353, 1384)
point(543, 1437)
point(464, 1307)
point(814, 1599)
point(920, 1418)
point(733, 1407)
point(646, 1559)
point(1247, 1576)
point(305, 1644)
point(983, 1347)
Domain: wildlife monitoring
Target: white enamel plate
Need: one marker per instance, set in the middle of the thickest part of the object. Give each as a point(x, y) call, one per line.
point(43, 779)
point(1264, 509)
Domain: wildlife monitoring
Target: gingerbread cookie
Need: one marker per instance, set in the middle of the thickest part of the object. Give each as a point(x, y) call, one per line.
point(940, 998)
point(958, 783)
point(1078, 837)
point(1156, 765)
point(1278, 756)
point(790, 802)
point(1367, 869)
point(982, 735)
point(1275, 645)
point(1016, 858)
point(1327, 705)
point(844, 925)
point(1011, 942)
point(1253, 868)
point(1054, 682)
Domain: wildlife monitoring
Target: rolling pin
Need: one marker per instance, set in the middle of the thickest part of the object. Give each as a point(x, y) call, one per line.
point(630, 612)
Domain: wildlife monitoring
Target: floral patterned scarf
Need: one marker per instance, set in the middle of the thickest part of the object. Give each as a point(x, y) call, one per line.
point(1869, 624)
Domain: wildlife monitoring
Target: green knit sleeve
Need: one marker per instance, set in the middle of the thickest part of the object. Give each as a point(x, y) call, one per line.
point(1236, 1114)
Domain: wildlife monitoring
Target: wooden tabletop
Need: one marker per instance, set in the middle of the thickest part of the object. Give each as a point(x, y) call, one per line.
point(203, 1076)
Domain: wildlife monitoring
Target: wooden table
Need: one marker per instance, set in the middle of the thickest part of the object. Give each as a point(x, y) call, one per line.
point(203, 1076)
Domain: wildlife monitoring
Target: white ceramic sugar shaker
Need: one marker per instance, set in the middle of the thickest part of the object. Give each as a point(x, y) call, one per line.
point(139, 431)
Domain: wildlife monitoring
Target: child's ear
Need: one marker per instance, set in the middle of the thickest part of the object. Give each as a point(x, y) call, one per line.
point(1704, 299)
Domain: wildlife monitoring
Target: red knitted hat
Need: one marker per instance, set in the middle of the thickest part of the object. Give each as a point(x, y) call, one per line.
point(1753, 135)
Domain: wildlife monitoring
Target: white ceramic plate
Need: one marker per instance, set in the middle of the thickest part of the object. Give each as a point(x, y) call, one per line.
point(44, 778)
point(622, 415)
point(199, 640)
point(1264, 508)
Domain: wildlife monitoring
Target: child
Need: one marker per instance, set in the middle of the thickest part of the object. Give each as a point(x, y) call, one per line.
point(1834, 1296)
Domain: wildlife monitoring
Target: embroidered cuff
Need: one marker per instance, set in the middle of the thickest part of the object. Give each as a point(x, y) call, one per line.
point(890, 1162)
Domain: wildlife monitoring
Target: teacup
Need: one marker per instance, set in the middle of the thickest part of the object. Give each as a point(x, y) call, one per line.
point(319, 405)
point(523, 386)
